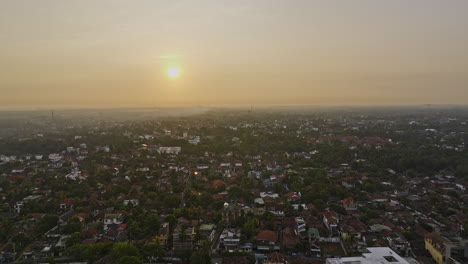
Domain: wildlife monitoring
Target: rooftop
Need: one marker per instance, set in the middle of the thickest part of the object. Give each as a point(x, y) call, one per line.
point(383, 255)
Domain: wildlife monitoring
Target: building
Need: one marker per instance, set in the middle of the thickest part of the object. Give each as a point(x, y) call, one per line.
point(169, 150)
point(301, 227)
point(163, 235)
point(194, 140)
point(349, 204)
point(229, 239)
point(183, 238)
point(435, 244)
point(230, 213)
point(456, 252)
point(67, 203)
point(398, 243)
point(112, 219)
point(267, 240)
point(383, 255)
point(18, 207)
point(331, 221)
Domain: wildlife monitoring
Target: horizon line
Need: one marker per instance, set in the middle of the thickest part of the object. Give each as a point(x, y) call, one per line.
point(227, 106)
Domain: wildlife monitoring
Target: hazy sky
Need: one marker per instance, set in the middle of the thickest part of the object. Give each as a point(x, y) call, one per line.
point(109, 53)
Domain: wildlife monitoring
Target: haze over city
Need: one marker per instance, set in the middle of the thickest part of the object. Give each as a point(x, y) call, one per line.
point(233, 131)
point(188, 53)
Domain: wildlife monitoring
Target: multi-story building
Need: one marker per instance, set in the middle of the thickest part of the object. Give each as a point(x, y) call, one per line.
point(383, 255)
point(230, 239)
point(398, 243)
point(183, 238)
point(435, 244)
point(456, 252)
point(207, 231)
point(163, 235)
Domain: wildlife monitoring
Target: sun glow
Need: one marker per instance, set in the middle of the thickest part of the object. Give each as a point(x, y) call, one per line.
point(173, 72)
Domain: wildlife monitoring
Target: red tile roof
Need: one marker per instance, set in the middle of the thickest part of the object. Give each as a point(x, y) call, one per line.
point(67, 201)
point(267, 235)
point(218, 183)
point(348, 200)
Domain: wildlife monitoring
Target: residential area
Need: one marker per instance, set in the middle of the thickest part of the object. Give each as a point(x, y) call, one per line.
point(236, 186)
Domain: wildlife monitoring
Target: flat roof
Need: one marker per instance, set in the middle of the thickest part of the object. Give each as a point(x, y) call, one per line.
point(383, 255)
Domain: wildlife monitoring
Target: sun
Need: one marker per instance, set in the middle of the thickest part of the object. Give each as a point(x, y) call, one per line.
point(173, 72)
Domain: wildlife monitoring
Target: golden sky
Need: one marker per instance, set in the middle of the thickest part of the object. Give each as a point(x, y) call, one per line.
point(115, 53)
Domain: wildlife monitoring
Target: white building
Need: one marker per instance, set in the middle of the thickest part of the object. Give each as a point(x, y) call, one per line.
point(74, 175)
point(112, 219)
point(381, 255)
point(194, 140)
point(7, 159)
point(269, 194)
point(230, 238)
point(55, 157)
point(18, 207)
point(169, 150)
point(134, 202)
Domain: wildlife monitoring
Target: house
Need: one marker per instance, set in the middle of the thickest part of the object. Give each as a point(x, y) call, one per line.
point(348, 232)
point(299, 207)
point(218, 183)
point(269, 194)
point(349, 204)
point(75, 174)
point(229, 239)
point(112, 219)
point(300, 227)
point(134, 202)
point(379, 199)
point(202, 167)
point(347, 182)
point(353, 228)
point(254, 174)
point(47, 251)
point(314, 240)
point(169, 150)
point(81, 216)
point(66, 203)
point(259, 202)
point(293, 196)
point(277, 209)
point(331, 221)
point(117, 233)
point(163, 234)
point(55, 157)
point(378, 228)
point(194, 140)
point(267, 240)
point(290, 239)
point(247, 247)
point(18, 207)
